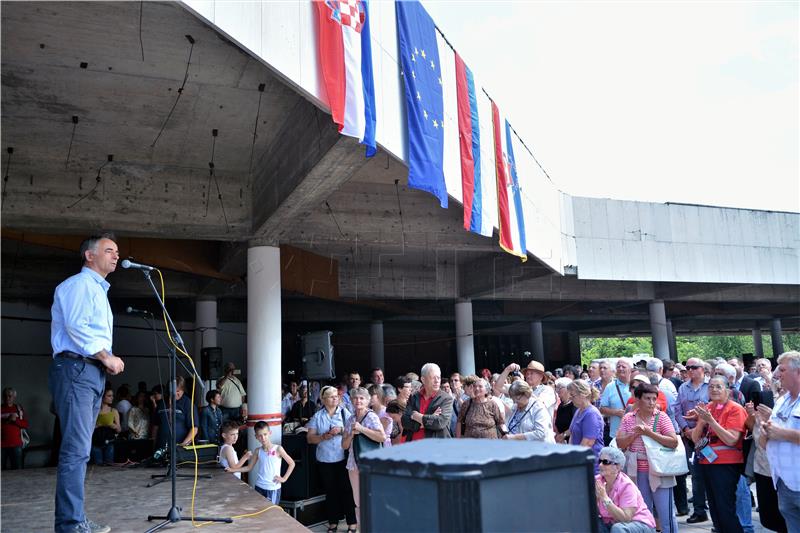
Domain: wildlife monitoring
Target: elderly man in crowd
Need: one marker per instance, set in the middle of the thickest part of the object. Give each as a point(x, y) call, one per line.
point(429, 410)
point(233, 394)
point(763, 374)
point(690, 394)
point(748, 386)
point(615, 396)
point(780, 435)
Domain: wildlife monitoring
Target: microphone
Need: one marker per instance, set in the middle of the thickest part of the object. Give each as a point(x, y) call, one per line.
point(130, 264)
point(137, 312)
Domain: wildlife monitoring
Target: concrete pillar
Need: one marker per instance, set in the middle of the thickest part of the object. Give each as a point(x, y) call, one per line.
point(205, 327)
point(673, 346)
point(658, 329)
point(376, 345)
point(465, 340)
point(758, 343)
point(574, 341)
point(537, 341)
point(263, 341)
point(777, 339)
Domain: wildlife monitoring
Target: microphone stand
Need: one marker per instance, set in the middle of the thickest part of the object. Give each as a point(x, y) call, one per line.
point(174, 513)
point(172, 468)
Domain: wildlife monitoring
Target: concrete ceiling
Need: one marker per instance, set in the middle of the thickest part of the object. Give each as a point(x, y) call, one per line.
point(282, 174)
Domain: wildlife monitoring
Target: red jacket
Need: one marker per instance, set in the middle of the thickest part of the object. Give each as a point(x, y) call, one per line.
point(11, 430)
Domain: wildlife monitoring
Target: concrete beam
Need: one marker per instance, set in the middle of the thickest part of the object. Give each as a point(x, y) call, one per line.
point(490, 274)
point(308, 161)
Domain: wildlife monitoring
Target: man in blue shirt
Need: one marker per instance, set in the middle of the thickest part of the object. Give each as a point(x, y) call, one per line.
point(690, 394)
point(80, 335)
point(615, 396)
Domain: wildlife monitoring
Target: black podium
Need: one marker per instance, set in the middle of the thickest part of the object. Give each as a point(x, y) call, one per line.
point(478, 485)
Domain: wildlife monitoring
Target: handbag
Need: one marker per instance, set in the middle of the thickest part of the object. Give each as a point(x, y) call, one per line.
point(665, 461)
point(26, 439)
point(363, 444)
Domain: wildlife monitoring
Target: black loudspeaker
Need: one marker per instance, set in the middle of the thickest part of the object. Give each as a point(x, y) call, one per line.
point(478, 485)
point(318, 355)
point(304, 482)
point(211, 363)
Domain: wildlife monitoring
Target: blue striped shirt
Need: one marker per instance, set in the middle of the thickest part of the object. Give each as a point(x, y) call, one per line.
point(82, 318)
point(688, 398)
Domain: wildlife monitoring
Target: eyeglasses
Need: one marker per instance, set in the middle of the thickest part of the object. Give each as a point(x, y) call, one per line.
point(692, 367)
point(607, 462)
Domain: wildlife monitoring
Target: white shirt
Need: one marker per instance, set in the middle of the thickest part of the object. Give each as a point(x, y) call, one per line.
point(784, 456)
point(547, 396)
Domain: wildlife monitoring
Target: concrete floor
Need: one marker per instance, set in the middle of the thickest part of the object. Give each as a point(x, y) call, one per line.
point(119, 497)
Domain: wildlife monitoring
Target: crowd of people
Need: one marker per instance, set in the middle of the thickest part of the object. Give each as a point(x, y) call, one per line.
point(731, 429)
point(735, 428)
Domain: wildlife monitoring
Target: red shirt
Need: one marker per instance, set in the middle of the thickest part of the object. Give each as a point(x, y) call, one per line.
point(730, 416)
point(423, 406)
point(661, 401)
point(11, 431)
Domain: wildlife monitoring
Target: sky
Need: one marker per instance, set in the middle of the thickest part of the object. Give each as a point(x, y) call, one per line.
point(686, 102)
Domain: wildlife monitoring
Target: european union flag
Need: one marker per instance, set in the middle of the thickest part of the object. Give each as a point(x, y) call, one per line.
point(419, 59)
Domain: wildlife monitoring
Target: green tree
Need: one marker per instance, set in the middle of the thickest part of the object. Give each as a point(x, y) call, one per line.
point(601, 347)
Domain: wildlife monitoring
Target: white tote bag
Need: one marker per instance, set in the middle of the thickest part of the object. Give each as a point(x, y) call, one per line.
point(665, 461)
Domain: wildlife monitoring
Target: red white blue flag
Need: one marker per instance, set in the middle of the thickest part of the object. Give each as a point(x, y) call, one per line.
point(509, 197)
point(345, 54)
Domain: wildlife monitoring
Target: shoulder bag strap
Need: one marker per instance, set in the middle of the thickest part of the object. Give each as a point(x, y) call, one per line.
point(616, 386)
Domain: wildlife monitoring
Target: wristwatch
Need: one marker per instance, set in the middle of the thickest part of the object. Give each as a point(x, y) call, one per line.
point(607, 502)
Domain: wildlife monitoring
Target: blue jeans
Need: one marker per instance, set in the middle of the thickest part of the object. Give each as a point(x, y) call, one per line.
point(698, 488)
point(272, 495)
point(77, 388)
point(659, 502)
point(11, 458)
point(102, 455)
point(744, 507)
point(789, 504)
point(623, 527)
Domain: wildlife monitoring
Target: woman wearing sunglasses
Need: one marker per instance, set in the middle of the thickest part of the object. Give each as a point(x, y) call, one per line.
point(619, 502)
point(647, 420)
point(718, 439)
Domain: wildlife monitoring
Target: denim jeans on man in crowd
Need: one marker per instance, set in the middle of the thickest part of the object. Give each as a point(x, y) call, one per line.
point(744, 505)
point(789, 505)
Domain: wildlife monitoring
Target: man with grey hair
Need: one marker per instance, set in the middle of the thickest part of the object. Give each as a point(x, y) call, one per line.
point(429, 410)
point(690, 394)
point(745, 384)
point(81, 337)
point(763, 373)
point(655, 367)
point(780, 437)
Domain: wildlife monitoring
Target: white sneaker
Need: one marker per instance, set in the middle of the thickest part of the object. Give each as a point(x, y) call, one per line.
point(92, 527)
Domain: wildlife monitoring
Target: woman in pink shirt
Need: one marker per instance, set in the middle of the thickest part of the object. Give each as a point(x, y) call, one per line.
point(619, 502)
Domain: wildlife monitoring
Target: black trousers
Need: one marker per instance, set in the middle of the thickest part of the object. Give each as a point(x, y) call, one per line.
point(768, 511)
point(338, 492)
point(720, 482)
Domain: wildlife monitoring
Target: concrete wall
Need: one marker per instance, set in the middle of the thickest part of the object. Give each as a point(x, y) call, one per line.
point(640, 241)
point(26, 357)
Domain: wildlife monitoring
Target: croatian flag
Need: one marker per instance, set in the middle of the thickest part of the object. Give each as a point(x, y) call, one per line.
point(509, 197)
point(422, 74)
point(346, 59)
